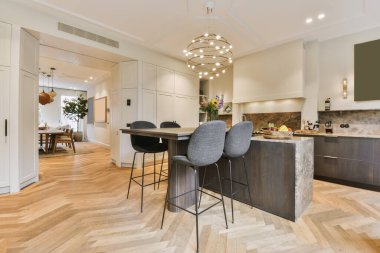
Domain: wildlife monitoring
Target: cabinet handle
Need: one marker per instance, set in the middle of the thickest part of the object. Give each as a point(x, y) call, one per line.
point(330, 157)
point(6, 128)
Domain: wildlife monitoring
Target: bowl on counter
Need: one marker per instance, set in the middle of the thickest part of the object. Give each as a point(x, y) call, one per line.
point(268, 134)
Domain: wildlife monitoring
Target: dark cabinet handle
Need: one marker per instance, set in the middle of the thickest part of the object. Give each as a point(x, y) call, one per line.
point(6, 128)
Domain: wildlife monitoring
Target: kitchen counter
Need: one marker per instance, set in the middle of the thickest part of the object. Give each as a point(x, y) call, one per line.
point(356, 135)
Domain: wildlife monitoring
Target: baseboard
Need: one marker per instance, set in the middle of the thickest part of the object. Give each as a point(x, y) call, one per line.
point(28, 182)
point(5, 189)
point(99, 143)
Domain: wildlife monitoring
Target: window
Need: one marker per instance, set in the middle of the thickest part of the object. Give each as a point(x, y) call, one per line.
point(64, 120)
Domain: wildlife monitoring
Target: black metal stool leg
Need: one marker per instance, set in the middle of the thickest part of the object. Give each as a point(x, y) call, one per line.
point(221, 194)
point(203, 182)
point(162, 163)
point(142, 182)
point(130, 179)
point(154, 170)
point(196, 206)
point(246, 176)
point(231, 189)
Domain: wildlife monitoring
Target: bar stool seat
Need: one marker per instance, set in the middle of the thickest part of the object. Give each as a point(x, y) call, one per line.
point(145, 145)
point(205, 148)
point(238, 141)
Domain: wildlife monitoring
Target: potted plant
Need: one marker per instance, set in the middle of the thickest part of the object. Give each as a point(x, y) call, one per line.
point(76, 109)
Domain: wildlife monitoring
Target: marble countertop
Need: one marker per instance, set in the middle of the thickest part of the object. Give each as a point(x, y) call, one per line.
point(339, 135)
point(294, 139)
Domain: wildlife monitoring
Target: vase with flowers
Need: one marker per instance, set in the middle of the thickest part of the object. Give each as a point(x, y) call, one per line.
point(212, 107)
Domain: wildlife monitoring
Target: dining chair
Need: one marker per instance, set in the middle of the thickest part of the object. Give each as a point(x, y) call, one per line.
point(64, 138)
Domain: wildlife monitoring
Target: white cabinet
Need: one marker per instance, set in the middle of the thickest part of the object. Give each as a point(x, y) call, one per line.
point(165, 107)
point(28, 128)
point(4, 118)
point(125, 75)
point(186, 84)
point(5, 44)
point(186, 111)
point(129, 74)
point(165, 80)
point(124, 106)
point(149, 106)
point(149, 76)
point(29, 52)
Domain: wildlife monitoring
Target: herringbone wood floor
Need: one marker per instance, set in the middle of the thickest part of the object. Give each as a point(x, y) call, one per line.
point(80, 206)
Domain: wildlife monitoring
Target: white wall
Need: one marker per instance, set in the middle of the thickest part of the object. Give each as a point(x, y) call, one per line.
point(336, 61)
point(222, 86)
point(100, 132)
point(275, 73)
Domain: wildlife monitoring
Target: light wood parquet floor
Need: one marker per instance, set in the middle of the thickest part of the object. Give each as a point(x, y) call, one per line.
point(80, 205)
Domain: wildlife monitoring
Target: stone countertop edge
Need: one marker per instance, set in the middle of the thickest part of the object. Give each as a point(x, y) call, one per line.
point(294, 139)
point(374, 136)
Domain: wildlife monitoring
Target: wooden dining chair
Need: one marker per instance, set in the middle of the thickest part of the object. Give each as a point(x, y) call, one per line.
point(65, 138)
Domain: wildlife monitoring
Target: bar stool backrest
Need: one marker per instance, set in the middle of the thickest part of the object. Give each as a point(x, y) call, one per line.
point(238, 139)
point(169, 124)
point(206, 143)
point(143, 141)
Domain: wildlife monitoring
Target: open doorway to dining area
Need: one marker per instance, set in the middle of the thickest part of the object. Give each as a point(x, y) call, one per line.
point(73, 78)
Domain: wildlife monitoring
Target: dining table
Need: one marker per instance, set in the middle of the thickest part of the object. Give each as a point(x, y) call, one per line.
point(49, 134)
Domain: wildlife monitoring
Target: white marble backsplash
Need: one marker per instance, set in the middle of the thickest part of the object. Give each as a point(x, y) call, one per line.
point(366, 122)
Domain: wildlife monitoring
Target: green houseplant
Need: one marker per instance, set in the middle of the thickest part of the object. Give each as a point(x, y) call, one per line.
point(76, 109)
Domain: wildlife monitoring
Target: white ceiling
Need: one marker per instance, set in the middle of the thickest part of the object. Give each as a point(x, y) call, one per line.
point(75, 63)
point(250, 25)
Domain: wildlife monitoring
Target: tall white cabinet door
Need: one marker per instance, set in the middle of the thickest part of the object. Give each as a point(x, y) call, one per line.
point(165, 107)
point(128, 74)
point(149, 106)
point(4, 118)
point(186, 84)
point(165, 80)
point(29, 52)
point(28, 127)
point(186, 111)
point(5, 44)
point(115, 126)
point(149, 78)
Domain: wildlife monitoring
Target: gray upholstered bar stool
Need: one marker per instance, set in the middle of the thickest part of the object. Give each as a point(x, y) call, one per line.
point(144, 145)
point(238, 141)
point(166, 124)
point(205, 148)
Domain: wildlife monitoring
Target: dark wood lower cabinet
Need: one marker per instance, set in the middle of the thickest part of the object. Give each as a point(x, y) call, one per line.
point(325, 166)
point(352, 161)
point(355, 171)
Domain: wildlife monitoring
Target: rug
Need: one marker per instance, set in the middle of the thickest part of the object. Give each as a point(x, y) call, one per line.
point(64, 151)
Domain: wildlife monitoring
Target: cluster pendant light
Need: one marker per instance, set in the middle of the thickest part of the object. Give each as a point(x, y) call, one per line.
point(47, 97)
point(209, 54)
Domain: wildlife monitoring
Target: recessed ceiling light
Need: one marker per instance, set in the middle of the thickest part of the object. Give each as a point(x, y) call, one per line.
point(86, 81)
point(91, 78)
point(309, 20)
point(321, 16)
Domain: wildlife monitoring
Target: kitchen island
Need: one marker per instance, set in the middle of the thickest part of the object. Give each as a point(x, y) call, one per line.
point(280, 172)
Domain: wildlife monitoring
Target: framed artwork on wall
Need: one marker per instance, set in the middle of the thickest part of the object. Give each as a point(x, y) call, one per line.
point(100, 110)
